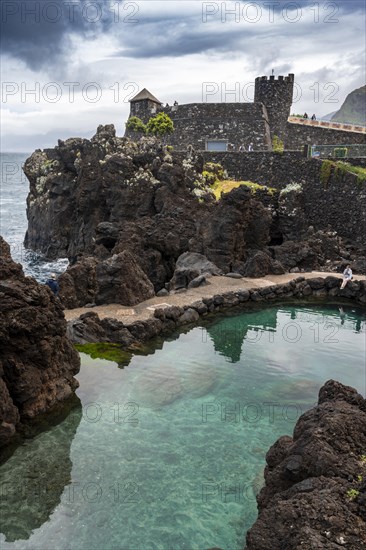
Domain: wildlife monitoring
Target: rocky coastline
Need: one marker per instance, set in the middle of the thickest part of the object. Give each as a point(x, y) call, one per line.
point(137, 222)
point(89, 327)
point(315, 482)
point(37, 360)
point(125, 213)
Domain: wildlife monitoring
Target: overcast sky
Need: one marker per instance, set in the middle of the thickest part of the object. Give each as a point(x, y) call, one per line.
point(69, 65)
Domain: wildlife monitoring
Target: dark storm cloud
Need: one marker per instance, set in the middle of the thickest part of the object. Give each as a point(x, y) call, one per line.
point(37, 31)
point(205, 31)
point(175, 44)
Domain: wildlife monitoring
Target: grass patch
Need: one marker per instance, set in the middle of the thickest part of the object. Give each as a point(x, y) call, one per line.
point(359, 171)
point(325, 172)
point(225, 186)
point(109, 352)
point(340, 169)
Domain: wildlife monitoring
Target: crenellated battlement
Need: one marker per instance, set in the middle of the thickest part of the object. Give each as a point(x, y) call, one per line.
point(289, 78)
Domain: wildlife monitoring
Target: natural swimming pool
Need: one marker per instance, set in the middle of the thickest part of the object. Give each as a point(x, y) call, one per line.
point(168, 452)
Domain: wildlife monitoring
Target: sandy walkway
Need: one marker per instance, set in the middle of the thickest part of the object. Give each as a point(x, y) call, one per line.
point(218, 285)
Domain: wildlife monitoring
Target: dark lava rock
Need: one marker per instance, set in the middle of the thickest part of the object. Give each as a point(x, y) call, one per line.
point(234, 275)
point(101, 197)
point(306, 502)
point(121, 280)
point(37, 361)
point(162, 292)
point(118, 279)
point(191, 267)
point(198, 281)
point(258, 265)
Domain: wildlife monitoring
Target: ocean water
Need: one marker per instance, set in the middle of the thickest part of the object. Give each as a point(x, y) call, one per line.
point(168, 453)
point(14, 188)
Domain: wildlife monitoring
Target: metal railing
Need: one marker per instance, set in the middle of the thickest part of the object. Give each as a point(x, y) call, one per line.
point(336, 151)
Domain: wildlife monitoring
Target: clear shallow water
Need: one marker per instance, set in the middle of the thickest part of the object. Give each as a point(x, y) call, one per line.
point(169, 452)
point(14, 188)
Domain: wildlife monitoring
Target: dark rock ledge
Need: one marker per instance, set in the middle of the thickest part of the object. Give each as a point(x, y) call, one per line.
point(315, 482)
point(90, 328)
point(37, 360)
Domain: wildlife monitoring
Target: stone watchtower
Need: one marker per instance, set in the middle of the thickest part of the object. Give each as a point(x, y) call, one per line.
point(276, 96)
point(144, 105)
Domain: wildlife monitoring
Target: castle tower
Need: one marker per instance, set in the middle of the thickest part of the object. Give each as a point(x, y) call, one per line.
point(144, 105)
point(276, 95)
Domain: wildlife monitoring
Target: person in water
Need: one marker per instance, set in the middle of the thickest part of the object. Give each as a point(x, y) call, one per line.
point(53, 284)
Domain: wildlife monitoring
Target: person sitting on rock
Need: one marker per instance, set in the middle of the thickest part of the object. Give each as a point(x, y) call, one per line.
point(305, 115)
point(313, 117)
point(347, 275)
point(53, 284)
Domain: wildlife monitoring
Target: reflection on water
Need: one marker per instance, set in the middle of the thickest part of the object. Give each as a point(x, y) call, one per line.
point(229, 336)
point(169, 452)
point(35, 477)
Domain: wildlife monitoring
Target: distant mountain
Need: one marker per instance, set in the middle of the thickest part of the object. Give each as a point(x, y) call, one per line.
point(328, 117)
point(353, 110)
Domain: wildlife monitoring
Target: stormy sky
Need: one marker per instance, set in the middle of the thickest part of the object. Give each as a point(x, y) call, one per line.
point(69, 65)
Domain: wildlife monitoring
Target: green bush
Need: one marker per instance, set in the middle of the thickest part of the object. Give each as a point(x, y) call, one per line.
point(160, 125)
point(215, 169)
point(135, 124)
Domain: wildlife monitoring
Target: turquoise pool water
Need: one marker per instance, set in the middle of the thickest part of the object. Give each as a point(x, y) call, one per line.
point(168, 452)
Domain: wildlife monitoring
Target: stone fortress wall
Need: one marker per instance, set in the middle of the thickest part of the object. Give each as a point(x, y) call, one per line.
point(236, 123)
point(337, 200)
point(239, 124)
point(298, 134)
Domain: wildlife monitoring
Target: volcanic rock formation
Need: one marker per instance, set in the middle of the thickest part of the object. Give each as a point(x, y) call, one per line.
point(124, 212)
point(315, 491)
point(37, 361)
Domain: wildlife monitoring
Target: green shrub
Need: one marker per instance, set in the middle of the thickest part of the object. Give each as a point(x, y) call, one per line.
point(345, 167)
point(160, 125)
point(135, 124)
